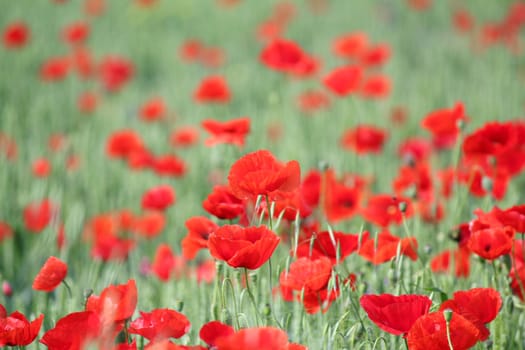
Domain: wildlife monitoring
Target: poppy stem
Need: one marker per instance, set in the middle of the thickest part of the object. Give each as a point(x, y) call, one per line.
point(448, 317)
point(252, 298)
point(270, 212)
point(68, 288)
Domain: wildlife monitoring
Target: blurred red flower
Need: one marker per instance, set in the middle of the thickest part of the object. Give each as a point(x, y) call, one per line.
point(123, 143)
point(152, 110)
point(73, 331)
point(5, 231)
point(55, 68)
point(211, 331)
point(158, 198)
point(115, 72)
point(248, 247)
point(351, 45)
point(115, 303)
point(376, 86)
point(87, 102)
point(16, 330)
point(343, 81)
point(376, 55)
point(232, 131)
point(444, 125)
point(169, 165)
point(76, 33)
point(16, 35)
point(213, 89)
point(383, 210)
point(364, 139)
point(51, 274)
point(37, 215)
point(223, 204)
point(386, 247)
point(165, 263)
point(41, 167)
point(395, 314)
point(160, 324)
point(184, 136)
point(288, 57)
point(199, 229)
point(313, 100)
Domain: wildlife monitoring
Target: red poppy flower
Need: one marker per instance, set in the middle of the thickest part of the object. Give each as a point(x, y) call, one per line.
point(417, 178)
point(259, 173)
point(248, 247)
point(344, 80)
point(16, 330)
point(517, 282)
point(199, 229)
point(376, 55)
point(123, 143)
point(395, 314)
point(491, 243)
point(158, 198)
point(191, 50)
point(414, 150)
point(350, 45)
point(150, 224)
point(169, 165)
point(335, 245)
point(165, 262)
point(384, 210)
point(212, 89)
point(160, 324)
point(312, 275)
point(387, 247)
point(73, 331)
point(459, 259)
point(263, 338)
point(313, 100)
point(376, 86)
point(115, 72)
point(222, 204)
point(50, 275)
point(364, 139)
point(82, 61)
point(478, 305)
point(87, 102)
point(184, 136)
point(76, 33)
point(112, 248)
point(154, 109)
point(5, 231)
point(16, 35)
point(288, 57)
point(444, 125)
point(55, 69)
point(214, 330)
point(38, 215)
point(41, 167)
point(429, 332)
point(233, 131)
point(115, 303)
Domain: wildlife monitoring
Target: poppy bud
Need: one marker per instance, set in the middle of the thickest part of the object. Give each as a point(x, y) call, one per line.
point(403, 207)
point(323, 165)
point(267, 310)
point(448, 315)
point(179, 305)
point(6, 289)
point(486, 183)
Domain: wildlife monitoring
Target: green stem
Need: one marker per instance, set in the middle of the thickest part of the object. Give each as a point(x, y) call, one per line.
point(252, 298)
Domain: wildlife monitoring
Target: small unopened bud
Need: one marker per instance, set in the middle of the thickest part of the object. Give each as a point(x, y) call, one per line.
point(402, 207)
point(323, 165)
point(179, 305)
point(486, 183)
point(448, 315)
point(267, 310)
point(460, 124)
point(6, 289)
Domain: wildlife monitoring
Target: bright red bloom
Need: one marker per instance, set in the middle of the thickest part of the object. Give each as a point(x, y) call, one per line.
point(16, 330)
point(478, 305)
point(248, 247)
point(164, 262)
point(395, 314)
point(491, 243)
point(212, 89)
point(55, 68)
point(364, 139)
point(430, 333)
point(38, 215)
point(309, 274)
point(222, 203)
point(169, 165)
point(350, 45)
point(414, 150)
point(50, 275)
point(73, 331)
point(158, 198)
point(115, 303)
point(264, 338)
point(41, 167)
point(123, 143)
point(184, 136)
point(259, 173)
point(344, 80)
point(76, 33)
point(115, 72)
point(150, 224)
point(383, 210)
point(417, 178)
point(232, 131)
point(336, 245)
point(214, 330)
point(387, 247)
point(288, 57)
point(459, 259)
point(376, 55)
point(444, 125)
point(16, 35)
point(376, 86)
point(199, 229)
point(152, 110)
point(160, 324)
